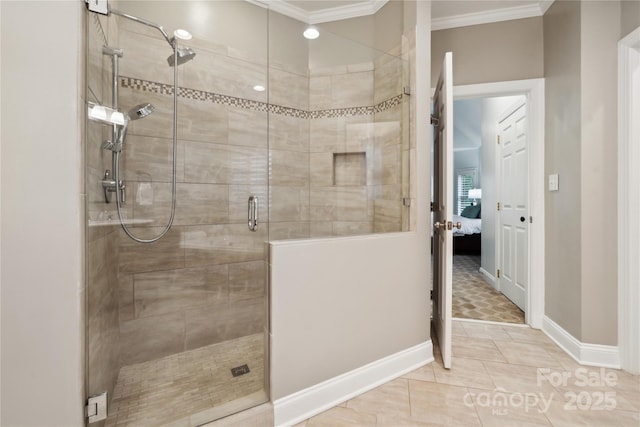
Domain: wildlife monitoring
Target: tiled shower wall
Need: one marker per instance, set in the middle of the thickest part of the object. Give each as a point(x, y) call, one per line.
point(356, 161)
point(331, 144)
point(204, 282)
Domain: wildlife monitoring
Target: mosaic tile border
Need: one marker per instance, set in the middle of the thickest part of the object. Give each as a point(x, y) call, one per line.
point(216, 98)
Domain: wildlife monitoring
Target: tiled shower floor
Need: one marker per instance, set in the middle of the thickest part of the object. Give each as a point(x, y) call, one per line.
point(189, 388)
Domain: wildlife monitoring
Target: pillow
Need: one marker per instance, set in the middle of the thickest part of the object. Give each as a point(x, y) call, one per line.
point(471, 212)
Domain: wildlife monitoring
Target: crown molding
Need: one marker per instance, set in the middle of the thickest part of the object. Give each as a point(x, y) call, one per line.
point(369, 7)
point(363, 8)
point(496, 15)
point(545, 5)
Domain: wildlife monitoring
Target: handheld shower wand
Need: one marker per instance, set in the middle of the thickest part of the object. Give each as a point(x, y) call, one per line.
point(138, 112)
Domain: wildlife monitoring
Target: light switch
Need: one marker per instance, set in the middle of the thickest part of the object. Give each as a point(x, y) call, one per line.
point(553, 182)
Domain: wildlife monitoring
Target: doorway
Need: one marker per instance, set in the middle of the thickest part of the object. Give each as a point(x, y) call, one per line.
point(532, 92)
point(483, 174)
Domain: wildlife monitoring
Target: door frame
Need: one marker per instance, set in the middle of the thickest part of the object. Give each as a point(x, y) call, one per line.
point(628, 202)
point(533, 89)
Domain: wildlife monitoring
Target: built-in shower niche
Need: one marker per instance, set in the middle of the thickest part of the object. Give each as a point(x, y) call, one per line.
point(350, 168)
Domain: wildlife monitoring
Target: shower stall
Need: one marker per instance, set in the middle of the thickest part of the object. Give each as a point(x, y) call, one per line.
point(248, 133)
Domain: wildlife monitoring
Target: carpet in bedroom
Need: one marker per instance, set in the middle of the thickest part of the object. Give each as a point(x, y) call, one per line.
point(473, 298)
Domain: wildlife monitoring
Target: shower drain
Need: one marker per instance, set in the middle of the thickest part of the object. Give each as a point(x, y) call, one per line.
point(240, 370)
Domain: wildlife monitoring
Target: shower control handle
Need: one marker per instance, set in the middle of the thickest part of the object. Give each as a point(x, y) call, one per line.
point(253, 213)
point(109, 186)
point(122, 187)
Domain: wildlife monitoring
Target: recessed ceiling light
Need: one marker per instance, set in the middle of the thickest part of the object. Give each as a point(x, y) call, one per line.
point(259, 88)
point(311, 33)
point(182, 34)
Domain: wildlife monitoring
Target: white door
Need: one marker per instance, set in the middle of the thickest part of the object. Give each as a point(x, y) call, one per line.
point(443, 208)
point(514, 204)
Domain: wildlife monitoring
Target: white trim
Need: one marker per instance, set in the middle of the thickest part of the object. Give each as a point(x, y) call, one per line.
point(489, 278)
point(534, 90)
point(491, 322)
point(545, 5)
point(306, 403)
point(606, 356)
point(365, 8)
point(370, 7)
point(362, 8)
point(490, 16)
point(628, 202)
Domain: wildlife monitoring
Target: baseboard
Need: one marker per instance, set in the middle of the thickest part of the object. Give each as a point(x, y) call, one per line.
point(488, 277)
point(607, 356)
point(491, 322)
point(306, 403)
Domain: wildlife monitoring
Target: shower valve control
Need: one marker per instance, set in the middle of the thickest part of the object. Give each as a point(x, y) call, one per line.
point(109, 186)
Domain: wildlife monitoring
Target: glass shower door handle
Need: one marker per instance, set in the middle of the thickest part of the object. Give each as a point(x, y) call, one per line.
point(253, 213)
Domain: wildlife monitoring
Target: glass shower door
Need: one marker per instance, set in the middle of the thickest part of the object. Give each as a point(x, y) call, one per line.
point(177, 328)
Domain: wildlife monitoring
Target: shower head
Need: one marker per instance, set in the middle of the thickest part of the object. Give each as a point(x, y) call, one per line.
point(185, 54)
point(140, 111)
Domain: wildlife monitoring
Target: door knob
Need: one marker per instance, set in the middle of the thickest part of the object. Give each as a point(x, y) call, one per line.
point(437, 225)
point(522, 219)
point(458, 225)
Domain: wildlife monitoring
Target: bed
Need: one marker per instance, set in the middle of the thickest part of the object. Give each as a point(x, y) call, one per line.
point(467, 239)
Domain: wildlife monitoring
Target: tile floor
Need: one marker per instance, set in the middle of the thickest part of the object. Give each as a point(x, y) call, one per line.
point(474, 298)
point(187, 388)
point(502, 375)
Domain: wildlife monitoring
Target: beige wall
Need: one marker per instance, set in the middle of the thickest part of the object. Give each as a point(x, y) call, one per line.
point(600, 29)
point(329, 321)
point(562, 156)
point(42, 215)
point(629, 16)
point(356, 40)
point(581, 103)
point(287, 49)
point(380, 31)
point(238, 24)
point(501, 51)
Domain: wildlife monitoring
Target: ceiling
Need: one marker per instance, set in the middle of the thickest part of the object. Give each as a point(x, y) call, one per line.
point(445, 13)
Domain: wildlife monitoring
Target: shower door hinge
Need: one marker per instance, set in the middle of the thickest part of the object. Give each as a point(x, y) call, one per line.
point(96, 409)
point(100, 6)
